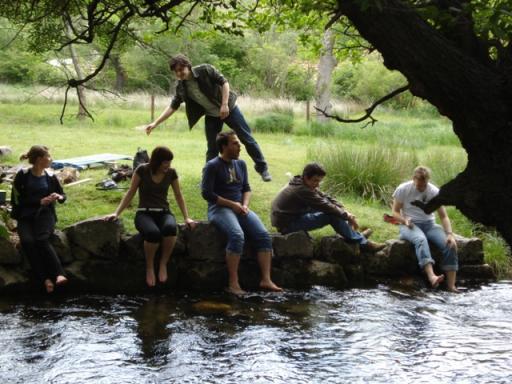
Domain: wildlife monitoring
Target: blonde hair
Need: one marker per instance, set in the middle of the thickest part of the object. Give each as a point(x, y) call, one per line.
point(35, 152)
point(425, 172)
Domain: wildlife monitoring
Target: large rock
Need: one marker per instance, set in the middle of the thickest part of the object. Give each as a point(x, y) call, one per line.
point(9, 255)
point(205, 243)
point(60, 243)
point(296, 245)
point(322, 273)
point(334, 249)
point(98, 237)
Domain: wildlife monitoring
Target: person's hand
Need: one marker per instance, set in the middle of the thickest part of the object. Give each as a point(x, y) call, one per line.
point(408, 223)
point(55, 196)
point(245, 210)
point(239, 209)
point(149, 128)
point(224, 111)
point(191, 224)
point(352, 220)
point(450, 241)
point(46, 200)
point(111, 217)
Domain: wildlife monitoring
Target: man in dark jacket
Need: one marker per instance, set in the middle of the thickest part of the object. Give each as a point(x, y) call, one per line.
point(301, 206)
point(206, 93)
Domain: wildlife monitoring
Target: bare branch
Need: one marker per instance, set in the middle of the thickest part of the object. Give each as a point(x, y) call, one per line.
point(185, 16)
point(64, 105)
point(14, 37)
point(369, 110)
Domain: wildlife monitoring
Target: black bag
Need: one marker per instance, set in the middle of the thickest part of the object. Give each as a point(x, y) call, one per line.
point(141, 157)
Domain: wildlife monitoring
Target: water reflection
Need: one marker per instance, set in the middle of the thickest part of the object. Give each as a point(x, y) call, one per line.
point(382, 335)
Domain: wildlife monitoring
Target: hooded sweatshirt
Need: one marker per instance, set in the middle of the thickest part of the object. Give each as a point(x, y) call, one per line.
point(297, 199)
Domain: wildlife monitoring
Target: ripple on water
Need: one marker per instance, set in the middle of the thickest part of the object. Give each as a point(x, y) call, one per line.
point(319, 336)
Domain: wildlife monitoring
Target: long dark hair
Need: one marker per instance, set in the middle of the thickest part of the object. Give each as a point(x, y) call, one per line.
point(34, 152)
point(158, 156)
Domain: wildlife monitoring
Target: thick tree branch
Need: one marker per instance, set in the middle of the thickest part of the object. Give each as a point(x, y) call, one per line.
point(369, 110)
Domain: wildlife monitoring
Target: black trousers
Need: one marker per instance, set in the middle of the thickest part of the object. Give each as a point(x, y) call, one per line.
point(34, 233)
point(153, 226)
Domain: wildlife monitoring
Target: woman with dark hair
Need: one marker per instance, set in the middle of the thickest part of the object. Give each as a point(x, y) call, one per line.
point(154, 220)
point(34, 193)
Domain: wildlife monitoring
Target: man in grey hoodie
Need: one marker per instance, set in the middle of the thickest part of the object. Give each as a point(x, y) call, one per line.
point(301, 206)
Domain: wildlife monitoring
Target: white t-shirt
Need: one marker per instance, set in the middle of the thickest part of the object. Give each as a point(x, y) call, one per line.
point(407, 192)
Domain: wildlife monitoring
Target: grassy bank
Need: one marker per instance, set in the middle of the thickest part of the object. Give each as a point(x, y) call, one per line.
point(380, 156)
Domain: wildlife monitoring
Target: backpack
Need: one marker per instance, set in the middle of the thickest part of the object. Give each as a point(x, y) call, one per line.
point(141, 157)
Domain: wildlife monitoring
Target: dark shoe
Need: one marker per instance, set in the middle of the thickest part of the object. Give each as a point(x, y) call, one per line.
point(265, 176)
point(370, 246)
point(367, 232)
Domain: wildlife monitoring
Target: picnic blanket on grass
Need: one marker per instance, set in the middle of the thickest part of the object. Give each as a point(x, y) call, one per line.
point(87, 161)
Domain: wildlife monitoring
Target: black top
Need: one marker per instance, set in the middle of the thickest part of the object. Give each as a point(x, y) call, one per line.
point(151, 194)
point(28, 190)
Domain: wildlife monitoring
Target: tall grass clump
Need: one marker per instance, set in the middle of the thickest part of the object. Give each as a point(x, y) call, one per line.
point(445, 163)
point(274, 123)
point(370, 171)
point(323, 129)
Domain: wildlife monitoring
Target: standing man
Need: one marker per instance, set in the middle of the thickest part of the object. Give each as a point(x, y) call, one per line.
point(206, 92)
point(301, 206)
point(418, 227)
point(225, 186)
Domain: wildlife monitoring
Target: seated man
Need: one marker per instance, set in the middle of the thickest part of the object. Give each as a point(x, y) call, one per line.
point(418, 227)
point(225, 186)
point(301, 206)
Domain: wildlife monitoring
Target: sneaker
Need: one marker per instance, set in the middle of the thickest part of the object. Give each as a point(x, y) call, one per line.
point(265, 176)
point(367, 232)
point(370, 246)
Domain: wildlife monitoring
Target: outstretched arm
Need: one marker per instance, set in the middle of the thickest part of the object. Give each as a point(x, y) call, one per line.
point(181, 203)
point(127, 198)
point(163, 116)
point(447, 226)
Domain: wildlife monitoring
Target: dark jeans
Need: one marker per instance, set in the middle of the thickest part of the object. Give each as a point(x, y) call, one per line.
point(315, 220)
point(235, 121)
point(34, 233)
point(153, 226)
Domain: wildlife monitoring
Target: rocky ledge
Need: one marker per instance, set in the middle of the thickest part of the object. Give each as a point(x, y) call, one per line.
point(99, 257)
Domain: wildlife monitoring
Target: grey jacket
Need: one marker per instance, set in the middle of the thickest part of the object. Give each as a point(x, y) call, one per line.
point(297, 199)
point(210, 82)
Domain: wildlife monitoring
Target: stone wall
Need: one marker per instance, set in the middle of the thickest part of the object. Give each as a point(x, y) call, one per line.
point(99, 257)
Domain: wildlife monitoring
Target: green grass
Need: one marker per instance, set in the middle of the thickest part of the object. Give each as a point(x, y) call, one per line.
point(372, 152)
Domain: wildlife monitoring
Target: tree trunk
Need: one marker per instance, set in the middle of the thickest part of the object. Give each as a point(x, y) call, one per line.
point(80, 91)
point(326, 66)
point(120, 72)
point(476, 96)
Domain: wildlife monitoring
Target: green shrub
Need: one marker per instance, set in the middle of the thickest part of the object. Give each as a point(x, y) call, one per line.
point(325, 129)
point(370, 172)
point(274, 122)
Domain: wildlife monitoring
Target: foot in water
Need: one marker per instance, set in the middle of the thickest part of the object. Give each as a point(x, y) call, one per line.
point(162, 274)
point(270, 286)
point(61, 280)
point(150, 278)
point(48, 284)
point(235, 290)
point(436, 280)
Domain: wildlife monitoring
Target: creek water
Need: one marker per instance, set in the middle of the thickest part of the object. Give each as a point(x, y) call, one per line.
point(378, 335)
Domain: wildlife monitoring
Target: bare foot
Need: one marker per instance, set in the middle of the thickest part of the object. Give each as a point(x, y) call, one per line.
point(150, 278)
point(453, 289)
point(162, 274)
point(61, 280)
point(436, 280)
point(236, 290)
point(270, 286)
point(48, 284)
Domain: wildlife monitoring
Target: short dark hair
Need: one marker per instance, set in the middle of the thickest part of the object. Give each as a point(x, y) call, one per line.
point(179, 60)
point(158, 156)
point(222, 139)
point(313, 169)
point(34, 153)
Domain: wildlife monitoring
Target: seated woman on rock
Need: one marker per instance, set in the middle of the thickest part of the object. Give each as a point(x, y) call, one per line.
point(154, 220)
point(34, 193)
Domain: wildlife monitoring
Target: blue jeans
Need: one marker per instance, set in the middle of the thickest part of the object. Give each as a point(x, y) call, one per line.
point(236, 121)
point(236, 227)
point(315, 220)
point(419, 236)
